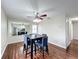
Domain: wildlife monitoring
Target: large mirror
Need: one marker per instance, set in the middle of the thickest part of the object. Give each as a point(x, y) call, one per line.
point(16, 28)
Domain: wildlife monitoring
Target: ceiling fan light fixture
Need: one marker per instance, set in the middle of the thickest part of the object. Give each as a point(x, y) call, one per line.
point(37, 20)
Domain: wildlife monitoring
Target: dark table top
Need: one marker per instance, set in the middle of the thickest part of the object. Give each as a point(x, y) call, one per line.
point(35, 36)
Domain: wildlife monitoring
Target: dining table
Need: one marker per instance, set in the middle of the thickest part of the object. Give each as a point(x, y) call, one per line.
point(33, 38)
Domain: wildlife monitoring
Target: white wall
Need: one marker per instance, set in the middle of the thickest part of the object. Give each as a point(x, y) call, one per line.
point(15, 39)
point(55, 29)
point(3, 31)
point(75, 29)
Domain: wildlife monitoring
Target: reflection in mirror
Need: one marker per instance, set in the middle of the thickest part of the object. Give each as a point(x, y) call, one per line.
point(19, 28)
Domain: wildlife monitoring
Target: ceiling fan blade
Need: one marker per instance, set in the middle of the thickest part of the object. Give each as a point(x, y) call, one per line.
point(40, 18)
point(43, 15)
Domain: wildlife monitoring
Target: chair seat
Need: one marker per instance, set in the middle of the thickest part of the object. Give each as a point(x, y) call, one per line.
point(38, 44)
point(42, 43)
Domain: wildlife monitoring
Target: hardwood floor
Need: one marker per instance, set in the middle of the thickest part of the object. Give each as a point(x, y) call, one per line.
point(15, 51)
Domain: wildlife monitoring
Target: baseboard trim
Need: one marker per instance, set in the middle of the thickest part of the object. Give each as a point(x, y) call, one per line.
point(58, 47)
point(4, 50)
point(15, 42)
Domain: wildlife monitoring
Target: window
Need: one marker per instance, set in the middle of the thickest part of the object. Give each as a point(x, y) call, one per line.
point(34, 28)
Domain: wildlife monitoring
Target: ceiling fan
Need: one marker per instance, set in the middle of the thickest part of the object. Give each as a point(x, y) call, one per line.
point(37, 16)
point(44, 14)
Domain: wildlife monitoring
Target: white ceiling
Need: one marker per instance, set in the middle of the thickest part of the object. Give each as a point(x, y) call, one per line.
point(25, 8)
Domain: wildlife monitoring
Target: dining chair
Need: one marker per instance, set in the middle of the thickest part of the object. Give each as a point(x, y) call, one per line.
point(26, 43)
point(42, 44)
